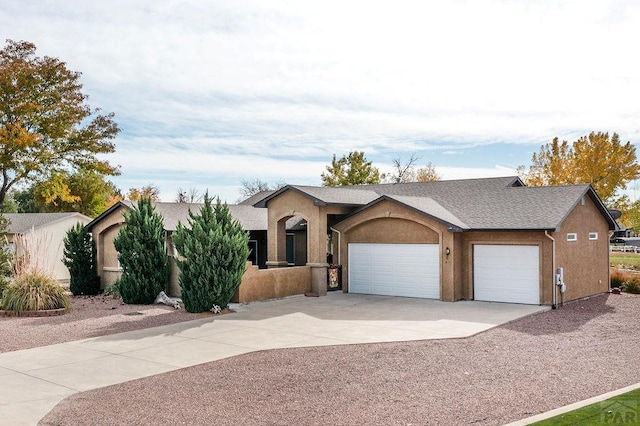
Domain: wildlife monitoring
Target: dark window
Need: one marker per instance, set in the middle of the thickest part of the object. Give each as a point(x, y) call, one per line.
point(291, 249)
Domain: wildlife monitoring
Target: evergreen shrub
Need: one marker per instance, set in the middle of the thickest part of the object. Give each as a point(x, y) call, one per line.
point(141, 247)
point(213, 251)
point(79, 258)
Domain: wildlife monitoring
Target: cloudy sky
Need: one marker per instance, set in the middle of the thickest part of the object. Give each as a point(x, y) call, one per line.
point(209, 93)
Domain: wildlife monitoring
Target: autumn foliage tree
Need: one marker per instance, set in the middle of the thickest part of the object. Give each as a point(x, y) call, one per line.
point(46, 125)
point(86, 192)
point(405, 171)
point(149, 191)
point(597, 159)
point(352, 169)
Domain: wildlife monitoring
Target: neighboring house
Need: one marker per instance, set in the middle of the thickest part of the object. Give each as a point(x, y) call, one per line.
point(42, 236)
point(488, 239)
point(105, 229)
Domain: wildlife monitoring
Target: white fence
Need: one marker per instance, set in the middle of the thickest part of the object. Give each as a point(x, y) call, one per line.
point(632, 249)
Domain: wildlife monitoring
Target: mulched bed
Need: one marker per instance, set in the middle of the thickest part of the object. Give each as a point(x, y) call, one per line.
point(510, 372)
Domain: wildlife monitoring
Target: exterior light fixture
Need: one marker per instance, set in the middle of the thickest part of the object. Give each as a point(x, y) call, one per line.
point(447, 251)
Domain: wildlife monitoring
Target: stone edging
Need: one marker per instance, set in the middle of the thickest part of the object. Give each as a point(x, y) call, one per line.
point(45, 313)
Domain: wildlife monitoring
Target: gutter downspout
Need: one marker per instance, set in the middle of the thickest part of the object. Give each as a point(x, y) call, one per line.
point(553, 271)
point(339, 245)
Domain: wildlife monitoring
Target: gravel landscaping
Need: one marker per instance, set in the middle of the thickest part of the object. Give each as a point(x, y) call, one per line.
point(90, 316)
point(507, 373)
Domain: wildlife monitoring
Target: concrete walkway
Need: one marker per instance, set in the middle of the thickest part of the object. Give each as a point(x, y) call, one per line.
point(33, 381)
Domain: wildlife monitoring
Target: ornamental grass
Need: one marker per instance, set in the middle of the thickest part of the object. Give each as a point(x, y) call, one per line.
point(34, 291)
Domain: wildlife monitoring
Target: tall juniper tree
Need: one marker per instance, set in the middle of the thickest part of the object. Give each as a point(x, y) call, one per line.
point(141, 247)
point(79, 258)
point(213, 251)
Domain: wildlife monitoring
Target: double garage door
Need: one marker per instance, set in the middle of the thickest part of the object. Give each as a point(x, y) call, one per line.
point(501, 273)
point(409, 270)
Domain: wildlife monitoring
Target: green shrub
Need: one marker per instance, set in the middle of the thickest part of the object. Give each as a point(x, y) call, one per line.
point(213, 254)
point(79, 258)
point(631, 286)
point(6, 268)
point(140, 244)
point(3, 285)
point(34, 291)
point(113, 290)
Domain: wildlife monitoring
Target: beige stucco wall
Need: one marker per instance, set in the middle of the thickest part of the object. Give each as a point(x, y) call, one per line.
point(292, 203)
point(46, 246)
point(585, 262)
point(533, 238)
point(389, 222)
point(263, 284)
point(104, 232)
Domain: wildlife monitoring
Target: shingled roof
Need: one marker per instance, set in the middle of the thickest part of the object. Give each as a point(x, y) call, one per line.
point(20, 223)
point(502, 203)
point(251, 218)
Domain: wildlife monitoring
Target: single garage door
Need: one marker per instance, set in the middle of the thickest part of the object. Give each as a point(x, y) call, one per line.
point(409, 270)
point(505, 273)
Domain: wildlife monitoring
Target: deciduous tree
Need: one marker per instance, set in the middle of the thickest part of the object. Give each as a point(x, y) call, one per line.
point(188, 196)
point(352, 169)
point(149, 191)
point(84, 191)
point(403, 171)
point(253, 186)
point(428, 173)
point(46, 124)
point(597, 159)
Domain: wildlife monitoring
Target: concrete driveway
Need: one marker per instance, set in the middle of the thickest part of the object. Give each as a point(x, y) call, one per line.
point(33, 381)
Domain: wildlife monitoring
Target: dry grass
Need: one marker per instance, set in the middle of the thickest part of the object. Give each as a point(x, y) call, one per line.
point(33, 291)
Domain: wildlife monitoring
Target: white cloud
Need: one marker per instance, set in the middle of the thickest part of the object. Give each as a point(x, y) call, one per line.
point(218, 91)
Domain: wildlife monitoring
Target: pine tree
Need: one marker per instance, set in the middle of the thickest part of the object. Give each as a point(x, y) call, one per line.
point(213, 253)
point(79, 258)
point(141, 246)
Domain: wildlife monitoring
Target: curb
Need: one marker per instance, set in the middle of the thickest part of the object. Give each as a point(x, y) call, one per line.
point(574, 406)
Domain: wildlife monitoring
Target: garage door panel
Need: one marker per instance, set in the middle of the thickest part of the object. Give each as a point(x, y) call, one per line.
point(506, 273)
point(410, 270)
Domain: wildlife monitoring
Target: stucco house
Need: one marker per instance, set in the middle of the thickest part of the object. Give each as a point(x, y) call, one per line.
point(42, 235)
point(491, 239)
point(105, 228)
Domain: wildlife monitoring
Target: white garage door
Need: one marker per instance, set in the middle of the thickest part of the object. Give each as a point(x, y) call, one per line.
point(409, 270)
point(504, 273)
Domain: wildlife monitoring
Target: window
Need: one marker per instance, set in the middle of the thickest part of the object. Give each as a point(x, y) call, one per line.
point(253, 252)
point(291, 249)
point(593, 235)
point(572, 236)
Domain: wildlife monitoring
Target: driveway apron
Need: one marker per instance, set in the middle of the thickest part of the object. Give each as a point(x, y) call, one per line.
point(33, 381)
